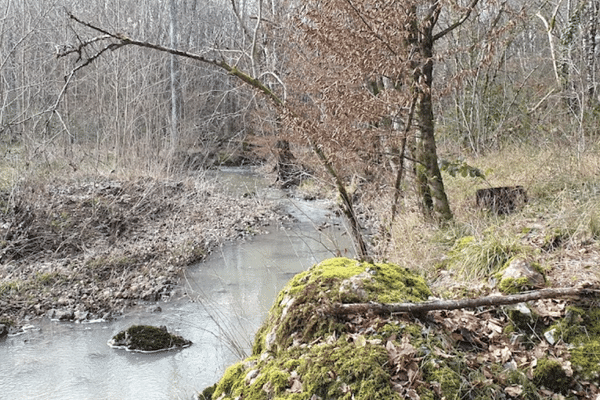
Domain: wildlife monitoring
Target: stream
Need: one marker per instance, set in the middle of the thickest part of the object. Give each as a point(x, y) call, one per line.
point(224, 301)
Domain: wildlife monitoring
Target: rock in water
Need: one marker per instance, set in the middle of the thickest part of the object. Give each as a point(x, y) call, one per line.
point(147, 339)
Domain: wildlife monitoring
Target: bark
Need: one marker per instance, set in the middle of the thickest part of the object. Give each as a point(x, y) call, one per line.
point(494, 301)
point(429, 177)
point(589, 47)
point(175, 81)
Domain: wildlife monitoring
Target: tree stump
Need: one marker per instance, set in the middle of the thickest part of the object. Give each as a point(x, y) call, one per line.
point(501, 200)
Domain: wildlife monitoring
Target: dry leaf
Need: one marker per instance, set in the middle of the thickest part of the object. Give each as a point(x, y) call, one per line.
point(412, 394)
point(514, 391)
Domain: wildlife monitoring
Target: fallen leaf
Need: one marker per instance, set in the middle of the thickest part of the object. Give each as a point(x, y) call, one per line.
point(412, 394)
point(514, 391)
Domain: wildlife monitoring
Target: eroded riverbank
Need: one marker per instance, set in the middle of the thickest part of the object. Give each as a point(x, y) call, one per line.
point(88, 249)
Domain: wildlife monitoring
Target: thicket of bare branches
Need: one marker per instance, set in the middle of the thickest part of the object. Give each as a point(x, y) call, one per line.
point(116, 112)
point(371, 88)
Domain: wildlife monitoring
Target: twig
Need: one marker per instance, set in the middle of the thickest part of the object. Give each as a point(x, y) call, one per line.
point(424, 307)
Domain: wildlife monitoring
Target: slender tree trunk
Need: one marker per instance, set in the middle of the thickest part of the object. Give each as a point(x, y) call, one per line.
point(175, 82)
point(429, 177)
point(589, 46)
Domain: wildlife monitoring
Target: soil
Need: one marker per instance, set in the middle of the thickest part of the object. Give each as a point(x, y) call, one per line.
point(88, 249)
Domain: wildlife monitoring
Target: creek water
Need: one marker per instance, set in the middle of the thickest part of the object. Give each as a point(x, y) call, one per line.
point(226, 299)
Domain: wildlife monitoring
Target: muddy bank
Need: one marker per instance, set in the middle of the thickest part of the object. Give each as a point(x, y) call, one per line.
point(80, 250)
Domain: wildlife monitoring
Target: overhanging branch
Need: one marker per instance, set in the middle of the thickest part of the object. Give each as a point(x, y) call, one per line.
point(123, 40)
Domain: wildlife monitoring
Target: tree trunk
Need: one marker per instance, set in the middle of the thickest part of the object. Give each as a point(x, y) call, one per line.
point(589, 47)
point(175, 82)
point(429, 177)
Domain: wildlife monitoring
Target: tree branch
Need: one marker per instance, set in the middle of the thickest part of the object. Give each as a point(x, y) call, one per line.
point(123, 40)
point(458, 23)
point(424, 307)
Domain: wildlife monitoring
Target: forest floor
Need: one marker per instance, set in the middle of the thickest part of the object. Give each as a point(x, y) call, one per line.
point(87, 248)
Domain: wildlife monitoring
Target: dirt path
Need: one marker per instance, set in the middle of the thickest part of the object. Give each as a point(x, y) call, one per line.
point(86, 250)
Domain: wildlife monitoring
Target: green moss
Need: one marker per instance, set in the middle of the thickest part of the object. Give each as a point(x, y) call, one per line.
point(512, 285)
point(586, 359)
point(346, 371)
point(529, 390)
point(298, 312)
point(148, 338)
point(231, 382)
point(550, 374)
point(448, 379)
point(298, 332)
point(393, 284)
point(581, 328)
point(207, 393)
point(340, 370)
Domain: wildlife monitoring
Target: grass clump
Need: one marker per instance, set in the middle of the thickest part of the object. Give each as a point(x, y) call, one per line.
point(478, 258)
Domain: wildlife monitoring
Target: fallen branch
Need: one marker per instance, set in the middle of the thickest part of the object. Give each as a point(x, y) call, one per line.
point(424, 307)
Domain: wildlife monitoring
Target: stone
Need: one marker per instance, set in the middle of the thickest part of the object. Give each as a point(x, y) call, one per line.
point(80, 315)
point(3, 330)
point(60, 315)
point(519, 269)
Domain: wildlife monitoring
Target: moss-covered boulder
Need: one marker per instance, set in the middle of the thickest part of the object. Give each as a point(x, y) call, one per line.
point(304, 352)
point(146, 339)
point(519, 275)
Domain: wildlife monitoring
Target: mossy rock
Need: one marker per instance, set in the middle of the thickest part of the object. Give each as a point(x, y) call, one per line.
point(147, 339)
point(303, 351)
point(299, 313)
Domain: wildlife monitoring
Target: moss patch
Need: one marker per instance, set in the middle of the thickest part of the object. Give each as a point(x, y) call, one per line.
point(449, 381)
point(299, 313)
point(340, 370)
point(550, 374)
point(147, 338)
point(581, 328)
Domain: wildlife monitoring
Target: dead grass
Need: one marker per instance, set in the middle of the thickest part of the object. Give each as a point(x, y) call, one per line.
point(560, 222)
